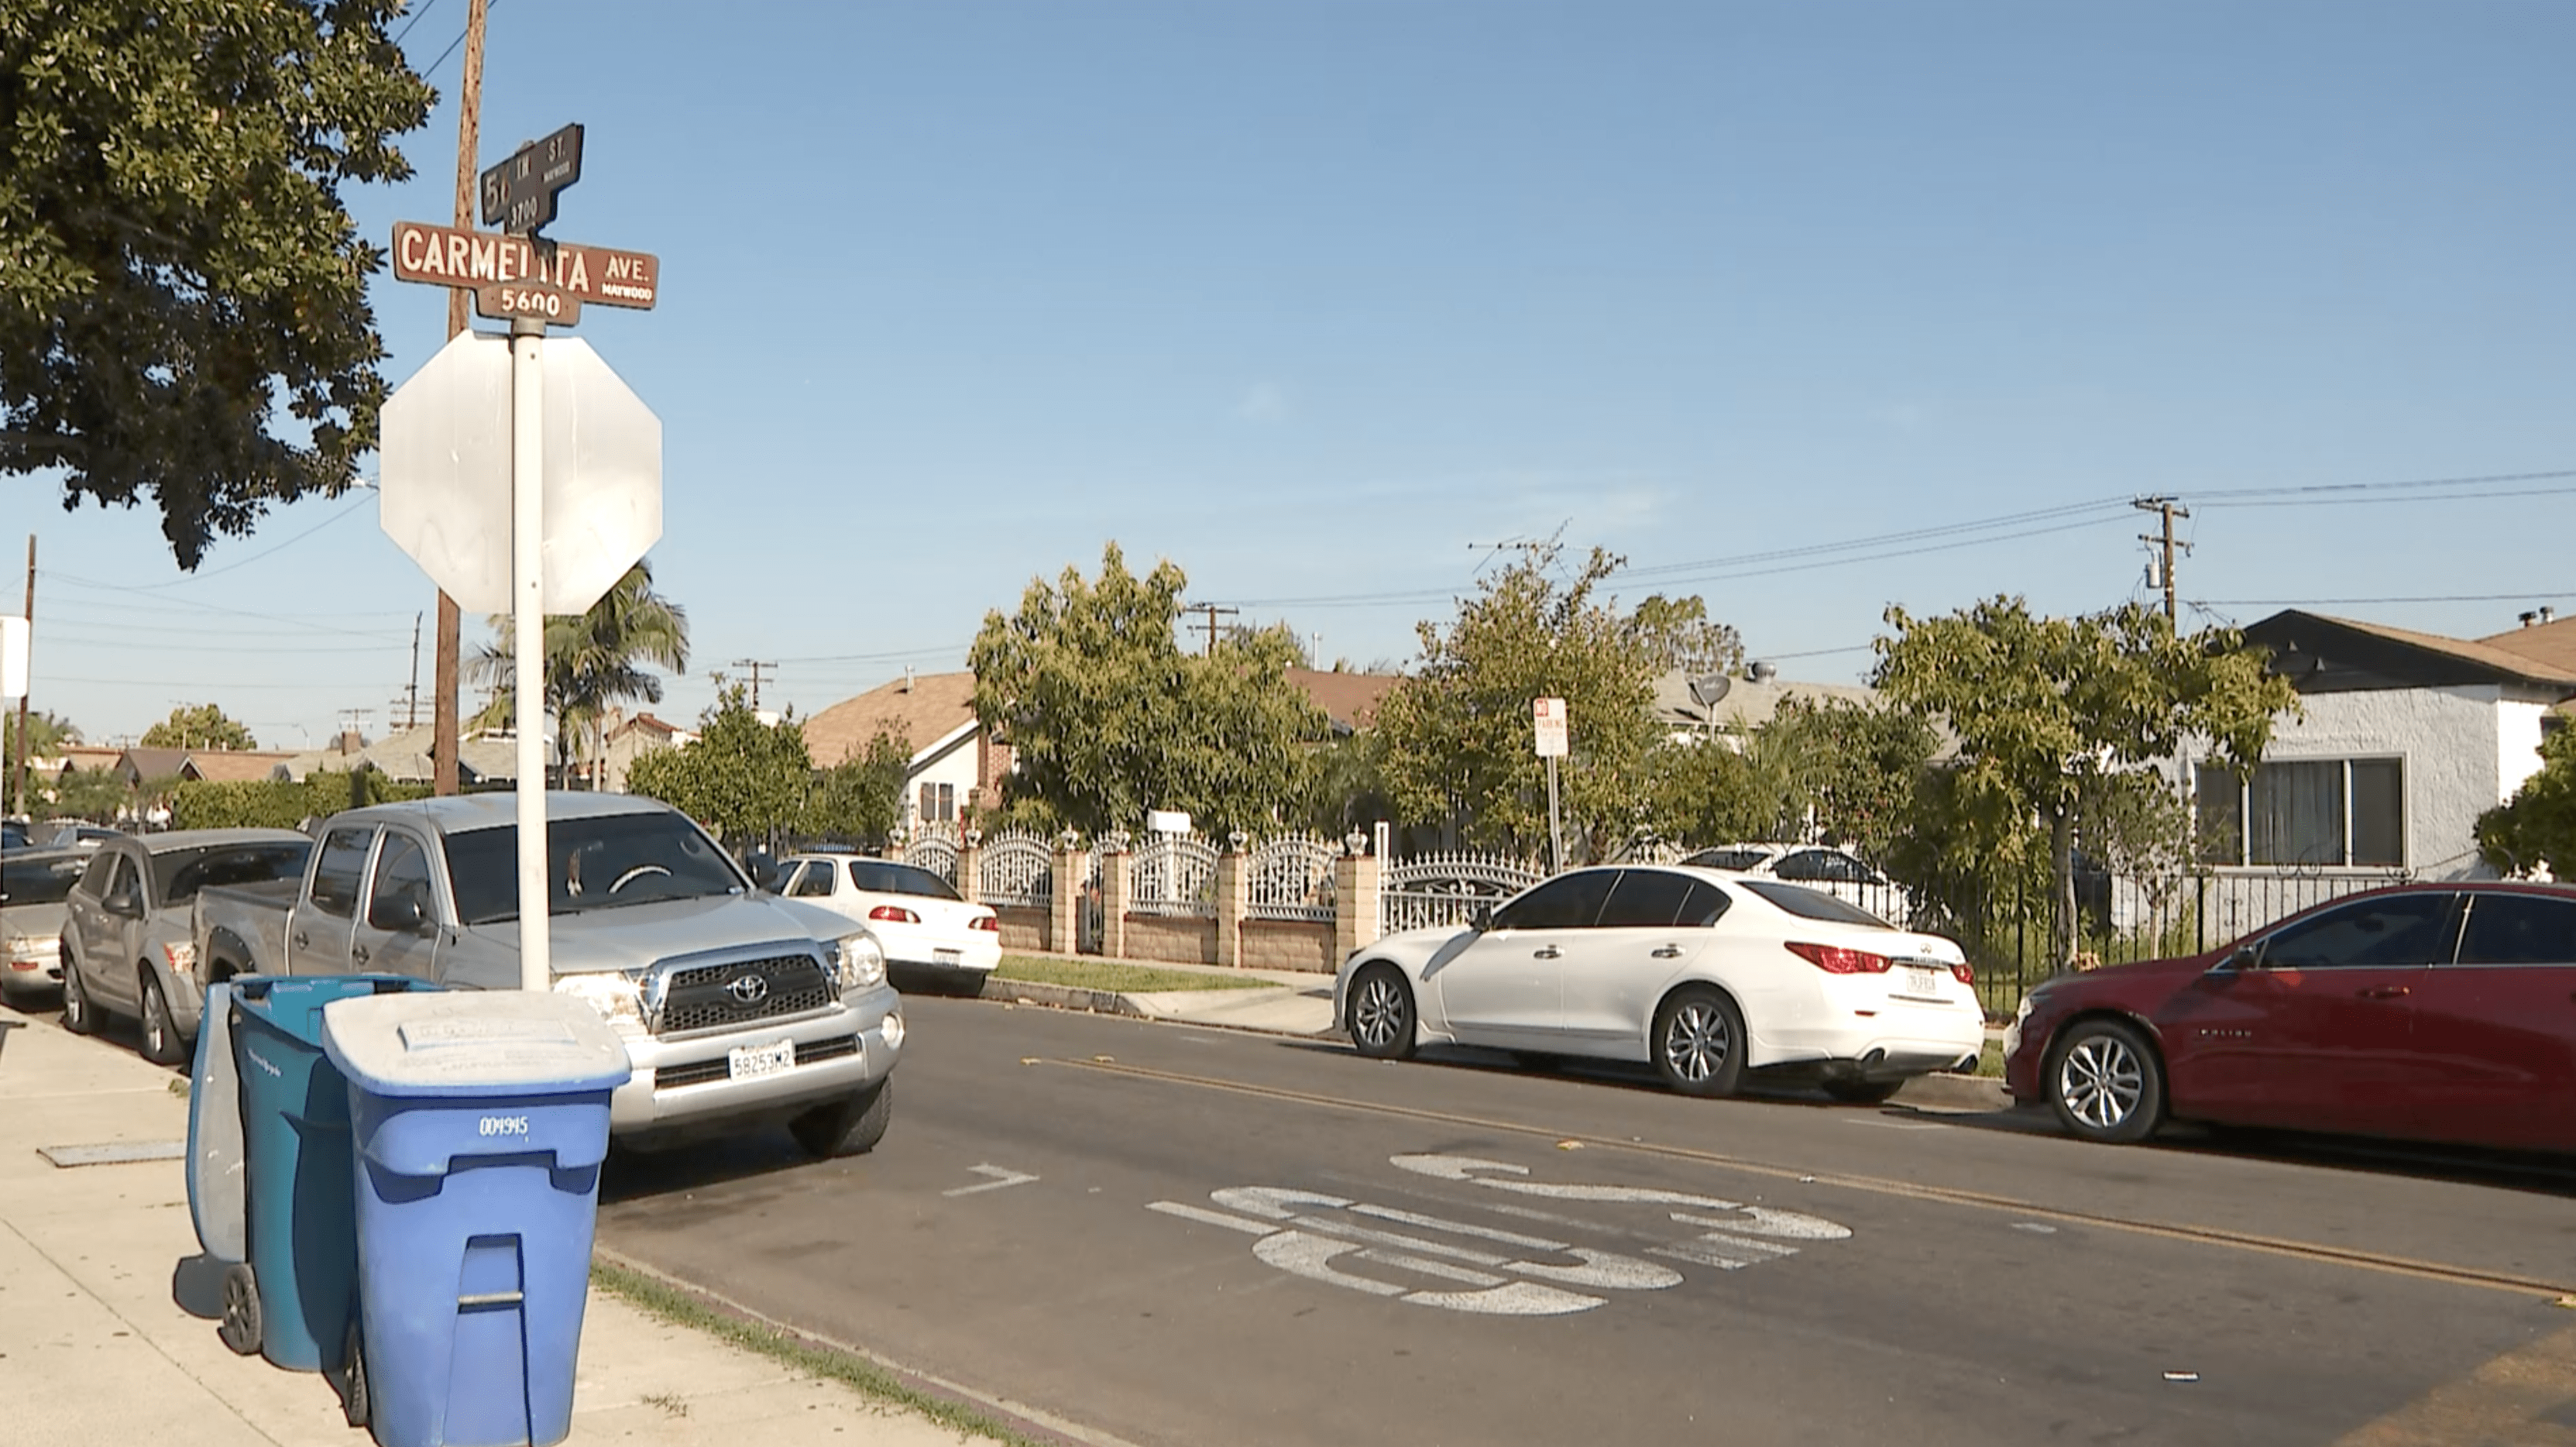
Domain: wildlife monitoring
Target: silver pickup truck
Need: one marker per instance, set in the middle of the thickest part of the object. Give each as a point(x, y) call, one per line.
point(735, 1005)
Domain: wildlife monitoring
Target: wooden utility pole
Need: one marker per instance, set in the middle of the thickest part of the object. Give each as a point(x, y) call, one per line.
point(1211, 611)
point(26, 803)
point(755, 665)
point(2171, 510)
point(469, 112)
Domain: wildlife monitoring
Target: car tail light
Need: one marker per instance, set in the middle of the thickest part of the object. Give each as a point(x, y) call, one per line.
point(1836, 960)
point(989, 924)
point(894, 914)
point(1966, 972)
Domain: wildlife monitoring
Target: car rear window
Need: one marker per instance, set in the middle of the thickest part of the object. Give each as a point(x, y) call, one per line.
point(40, 881)
point(1810, 904)
point(1729, 858)
point(875, 876)
point(178, 876)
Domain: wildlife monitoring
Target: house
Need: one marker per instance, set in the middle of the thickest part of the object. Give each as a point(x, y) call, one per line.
point(954, 766)
point(1745, 702)
point(628, 738)
point(2408, 737)
point(1350, 700)
point(233, 765)
point(403, 756)
point(2546, 639)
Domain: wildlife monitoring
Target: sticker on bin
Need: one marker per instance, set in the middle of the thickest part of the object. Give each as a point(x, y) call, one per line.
point(748, 1062)
point(461, 1042)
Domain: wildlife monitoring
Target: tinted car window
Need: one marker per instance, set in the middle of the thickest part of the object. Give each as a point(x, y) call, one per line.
point(596, 863)
point(1569, 901)
point(402, 874)
point(1646, 899)
point(812, 881)
point(2519, 929)
point(94, 879)
point(39, 879)
point(1824, 864)
point(179, 875)
point(1729, 858)
point(2392, 931)
point(1809, 904)
point(1705, 905)
point(878, 877)
point(335, 879)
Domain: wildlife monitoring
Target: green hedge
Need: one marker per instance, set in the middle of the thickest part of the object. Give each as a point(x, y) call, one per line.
point(278, 804)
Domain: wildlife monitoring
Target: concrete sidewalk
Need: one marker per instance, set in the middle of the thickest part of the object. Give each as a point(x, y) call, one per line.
point(1297, 1003)
point(106, 1311)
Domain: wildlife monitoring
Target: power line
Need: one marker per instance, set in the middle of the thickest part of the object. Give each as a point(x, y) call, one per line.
point(2521, 597)
point(417, 16)
point(755, 665)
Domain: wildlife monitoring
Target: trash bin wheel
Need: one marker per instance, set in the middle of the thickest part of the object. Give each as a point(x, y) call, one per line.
point(240, 1325)
point(357, 1402)
point(849, 1126)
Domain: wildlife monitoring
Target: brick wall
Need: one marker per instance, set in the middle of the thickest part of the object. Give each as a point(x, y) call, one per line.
point(1288, 944)
point(1024, 927)
point(1179, 939)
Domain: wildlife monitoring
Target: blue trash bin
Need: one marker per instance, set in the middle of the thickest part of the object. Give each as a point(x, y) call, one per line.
point(293, 1298)
point(479, 1121)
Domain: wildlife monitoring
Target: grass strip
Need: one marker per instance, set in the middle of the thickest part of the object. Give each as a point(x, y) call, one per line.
point(681, 1307)
point(1120, 977)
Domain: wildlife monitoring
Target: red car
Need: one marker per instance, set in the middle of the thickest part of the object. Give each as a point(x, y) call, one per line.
point(2433, 1012)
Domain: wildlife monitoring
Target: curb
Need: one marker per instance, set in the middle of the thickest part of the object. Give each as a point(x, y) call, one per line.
point(1954, 1092)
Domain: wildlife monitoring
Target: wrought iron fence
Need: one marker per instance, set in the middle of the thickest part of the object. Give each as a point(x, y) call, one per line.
point(1173, 874)
point(1291, 878)
point(1015, 868)
point(933, 846)
point(1444, 888)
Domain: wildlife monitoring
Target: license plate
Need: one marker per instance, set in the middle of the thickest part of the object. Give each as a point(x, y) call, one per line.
point(750, 1062)
point(1923, 981)
point(947, 957)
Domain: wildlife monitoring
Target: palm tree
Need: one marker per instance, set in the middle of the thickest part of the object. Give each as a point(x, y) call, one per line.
point(594, 660)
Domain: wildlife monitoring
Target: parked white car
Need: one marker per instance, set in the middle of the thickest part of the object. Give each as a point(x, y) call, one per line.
point(1705, 975)
point(915, 914)
point(1827, 870)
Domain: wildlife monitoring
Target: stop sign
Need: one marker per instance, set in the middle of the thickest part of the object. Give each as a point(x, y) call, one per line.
point(443, 476)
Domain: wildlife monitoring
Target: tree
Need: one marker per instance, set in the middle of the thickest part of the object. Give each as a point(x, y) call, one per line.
point(183, 297)
point(2050, 713)
point(860, 799)
point(1109, 718)
point(98, 794)
point(1709, 791)
point(1852, 768)
point(594, 661)
point(2537, 826)
point(201, 727)
point(1458, 739)
point(744, 779)
point(1678, 635)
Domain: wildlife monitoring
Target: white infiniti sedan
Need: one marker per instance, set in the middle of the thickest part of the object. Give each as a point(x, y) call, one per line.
point(916, 915)
point(1705, 975)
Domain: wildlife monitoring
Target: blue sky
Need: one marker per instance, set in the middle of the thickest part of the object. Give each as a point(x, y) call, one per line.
point(1316, 298)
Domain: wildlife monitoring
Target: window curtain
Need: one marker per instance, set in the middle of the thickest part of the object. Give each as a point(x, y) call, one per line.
point(2298, 813)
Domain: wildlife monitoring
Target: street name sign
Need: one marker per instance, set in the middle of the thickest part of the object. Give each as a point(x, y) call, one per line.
point(519, 193)
point(514, 276)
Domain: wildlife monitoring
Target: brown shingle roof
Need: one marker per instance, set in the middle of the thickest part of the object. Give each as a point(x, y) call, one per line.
point(925, 709)
point(1349, 699)
point(2553, 644)
point(227, 765)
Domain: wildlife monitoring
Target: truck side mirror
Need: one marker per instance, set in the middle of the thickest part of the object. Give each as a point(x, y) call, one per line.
point(124, 904)
point(402, 914)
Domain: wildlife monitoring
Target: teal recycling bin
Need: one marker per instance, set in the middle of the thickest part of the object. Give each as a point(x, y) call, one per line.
point(292, 1296)
point(479, 1120)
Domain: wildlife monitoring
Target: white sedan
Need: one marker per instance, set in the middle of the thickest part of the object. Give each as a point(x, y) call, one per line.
point(916, 915)
point(1704, 974)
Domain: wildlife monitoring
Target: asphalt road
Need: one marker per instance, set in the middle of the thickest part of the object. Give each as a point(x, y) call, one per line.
point(1174, 1235)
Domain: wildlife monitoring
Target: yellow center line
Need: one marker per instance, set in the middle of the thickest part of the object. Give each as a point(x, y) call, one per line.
point(1880, 1185)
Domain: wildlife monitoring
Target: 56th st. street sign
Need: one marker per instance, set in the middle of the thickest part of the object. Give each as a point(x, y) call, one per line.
point(513, 276)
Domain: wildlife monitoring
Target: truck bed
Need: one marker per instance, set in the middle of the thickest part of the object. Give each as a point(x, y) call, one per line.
point(237, 919)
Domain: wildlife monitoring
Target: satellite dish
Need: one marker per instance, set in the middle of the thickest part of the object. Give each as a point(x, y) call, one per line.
point(1708, 688)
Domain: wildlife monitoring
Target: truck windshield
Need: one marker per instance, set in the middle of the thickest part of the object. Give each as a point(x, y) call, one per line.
point(178, 875)
point(600, 863)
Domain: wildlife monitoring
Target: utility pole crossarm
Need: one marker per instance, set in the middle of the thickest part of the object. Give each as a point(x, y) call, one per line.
point(2169, 509)
point(755, 666)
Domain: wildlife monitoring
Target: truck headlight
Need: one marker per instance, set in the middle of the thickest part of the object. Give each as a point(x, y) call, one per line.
point(618, 999)
point(860, 961)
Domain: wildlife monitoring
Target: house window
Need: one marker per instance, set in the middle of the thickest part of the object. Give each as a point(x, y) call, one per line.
point(938, 803)
point(2314, 812)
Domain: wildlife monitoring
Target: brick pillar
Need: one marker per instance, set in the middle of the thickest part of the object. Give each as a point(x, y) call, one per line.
point(1233, 898)
point(1065, 904)
point(970, 875)
point(1355, 902)
point(1113, 895)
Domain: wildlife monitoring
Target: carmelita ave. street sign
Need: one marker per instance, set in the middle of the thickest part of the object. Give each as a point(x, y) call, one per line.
point(511, 277)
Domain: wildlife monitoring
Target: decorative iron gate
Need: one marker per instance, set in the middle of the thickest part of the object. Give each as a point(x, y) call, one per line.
point(1015, 868)
point(1291, 878)
point(1172, 874)
point(1445, 888)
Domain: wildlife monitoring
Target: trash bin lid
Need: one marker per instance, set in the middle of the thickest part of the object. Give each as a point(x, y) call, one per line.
point(473, 1042)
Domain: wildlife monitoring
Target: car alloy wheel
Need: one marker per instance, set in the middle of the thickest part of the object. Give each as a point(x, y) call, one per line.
point(80, 1013)
point(1698, 1043)
point(1381, 1014)
point(2107, 1084)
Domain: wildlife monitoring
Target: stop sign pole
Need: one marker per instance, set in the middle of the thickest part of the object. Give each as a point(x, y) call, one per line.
point(531, 283)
